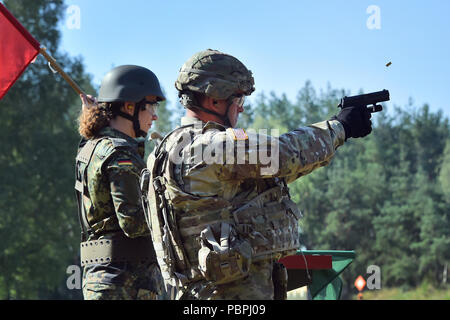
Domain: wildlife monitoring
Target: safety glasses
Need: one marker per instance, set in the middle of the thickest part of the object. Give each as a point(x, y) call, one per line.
point(237, 99)
point(149, 105)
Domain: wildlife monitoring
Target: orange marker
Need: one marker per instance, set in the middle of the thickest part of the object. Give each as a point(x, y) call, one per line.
point(360, 283)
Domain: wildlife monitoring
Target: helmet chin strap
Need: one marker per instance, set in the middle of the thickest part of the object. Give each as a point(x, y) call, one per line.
point(224, 117)
point(135, 119)
point(190, 102)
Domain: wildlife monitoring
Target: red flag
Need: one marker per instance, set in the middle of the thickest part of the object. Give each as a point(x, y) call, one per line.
point(17, 49)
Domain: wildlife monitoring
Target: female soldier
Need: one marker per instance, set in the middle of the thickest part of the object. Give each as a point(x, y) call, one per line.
point(116, 250)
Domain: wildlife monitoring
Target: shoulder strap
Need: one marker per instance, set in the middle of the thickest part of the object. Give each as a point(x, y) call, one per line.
point(82, 162)
point(119, 143)
point(169, 251)
point(163, 141)
point(87, 150)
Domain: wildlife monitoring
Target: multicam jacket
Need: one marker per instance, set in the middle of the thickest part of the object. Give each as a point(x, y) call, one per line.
point(210, 175)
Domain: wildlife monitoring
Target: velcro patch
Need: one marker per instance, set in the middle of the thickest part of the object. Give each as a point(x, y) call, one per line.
point(239, 134)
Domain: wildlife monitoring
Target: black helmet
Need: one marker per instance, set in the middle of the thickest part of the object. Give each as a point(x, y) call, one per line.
point(129, 83)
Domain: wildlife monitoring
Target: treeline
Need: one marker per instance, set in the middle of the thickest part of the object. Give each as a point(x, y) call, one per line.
point(39, 232)
point(385, 196)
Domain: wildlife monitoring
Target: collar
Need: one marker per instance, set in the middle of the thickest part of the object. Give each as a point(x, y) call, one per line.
point(191, 120)
point(204, 125)
point(113, 133)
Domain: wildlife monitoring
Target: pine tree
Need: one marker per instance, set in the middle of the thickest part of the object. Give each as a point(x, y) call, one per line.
point(444, 173)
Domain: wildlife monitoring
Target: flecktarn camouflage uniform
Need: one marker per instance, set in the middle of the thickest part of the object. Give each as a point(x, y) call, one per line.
point(112, 209)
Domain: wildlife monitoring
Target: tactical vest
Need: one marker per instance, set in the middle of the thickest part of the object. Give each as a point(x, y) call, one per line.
point(213, 233)
point(120, 247)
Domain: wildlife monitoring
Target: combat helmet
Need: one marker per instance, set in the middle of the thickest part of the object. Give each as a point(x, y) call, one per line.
point(215, 74)
point(130, 83)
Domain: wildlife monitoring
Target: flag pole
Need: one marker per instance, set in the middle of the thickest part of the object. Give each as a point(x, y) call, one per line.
point(55, 65)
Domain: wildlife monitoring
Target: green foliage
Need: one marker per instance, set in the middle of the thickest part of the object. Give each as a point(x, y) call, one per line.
point(444, 174)
point(39, 229)
point(425, 291)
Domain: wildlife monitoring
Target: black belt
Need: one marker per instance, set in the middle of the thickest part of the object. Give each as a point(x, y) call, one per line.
point(117, 250)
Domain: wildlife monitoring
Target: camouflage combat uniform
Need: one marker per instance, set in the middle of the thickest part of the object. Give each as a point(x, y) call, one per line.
point(198, 193)
point(113, 209)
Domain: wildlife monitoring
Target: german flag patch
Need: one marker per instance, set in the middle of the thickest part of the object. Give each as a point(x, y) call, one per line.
point(126, 162)
point(238, 134)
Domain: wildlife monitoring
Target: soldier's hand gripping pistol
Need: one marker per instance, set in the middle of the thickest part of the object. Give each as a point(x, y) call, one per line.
point(356, 112)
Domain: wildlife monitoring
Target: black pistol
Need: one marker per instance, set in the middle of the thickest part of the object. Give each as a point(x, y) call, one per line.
point(364, 100)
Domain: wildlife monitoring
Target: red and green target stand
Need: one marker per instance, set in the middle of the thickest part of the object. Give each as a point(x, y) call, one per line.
point(319, 270)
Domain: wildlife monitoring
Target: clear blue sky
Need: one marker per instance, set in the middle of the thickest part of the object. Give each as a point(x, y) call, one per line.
point(283, 42)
